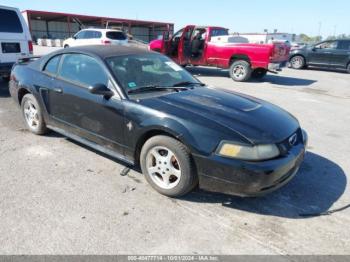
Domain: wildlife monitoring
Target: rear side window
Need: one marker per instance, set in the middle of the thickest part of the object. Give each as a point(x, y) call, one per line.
point(82, 69)
point(52, 66)
point(344, 45)
point(116, 35)
point(9, 22)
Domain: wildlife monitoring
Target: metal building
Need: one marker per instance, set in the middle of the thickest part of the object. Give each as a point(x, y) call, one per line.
point(53, 25)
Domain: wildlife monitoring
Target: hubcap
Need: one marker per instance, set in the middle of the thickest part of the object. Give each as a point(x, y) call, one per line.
point(31, 115)
point(163, 167)
point(239, 71)
point(297, 62)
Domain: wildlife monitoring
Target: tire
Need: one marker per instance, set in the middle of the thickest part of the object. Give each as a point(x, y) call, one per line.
point(32, 115)
point(348, 68)
point(66, 46)
point(259, 73)
point(297, 62)
point(167, 166)
point(240, 71)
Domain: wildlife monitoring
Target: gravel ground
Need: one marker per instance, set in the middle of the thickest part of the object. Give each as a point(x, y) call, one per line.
point(58, 197)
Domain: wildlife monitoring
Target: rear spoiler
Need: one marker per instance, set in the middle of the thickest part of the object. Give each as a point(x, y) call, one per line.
point(27, 59)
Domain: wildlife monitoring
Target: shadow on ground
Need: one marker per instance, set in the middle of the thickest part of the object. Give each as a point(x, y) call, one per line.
point(270, 78)
point(4, 89)
point(318, 185)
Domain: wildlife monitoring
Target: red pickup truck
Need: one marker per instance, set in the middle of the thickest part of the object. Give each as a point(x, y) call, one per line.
point(213, 46)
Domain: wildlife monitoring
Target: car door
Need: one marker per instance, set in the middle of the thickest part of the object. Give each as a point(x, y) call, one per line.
point(87, 115)
point(79, 38)
point(321, 54)
point(341, 55)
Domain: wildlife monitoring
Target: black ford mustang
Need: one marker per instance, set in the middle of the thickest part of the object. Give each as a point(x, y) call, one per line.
point(144, 109)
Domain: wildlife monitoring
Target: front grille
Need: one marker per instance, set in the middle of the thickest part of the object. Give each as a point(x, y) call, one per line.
point(285, 146)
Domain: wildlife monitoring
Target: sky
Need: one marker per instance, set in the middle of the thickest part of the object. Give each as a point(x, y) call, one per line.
point(249, 16)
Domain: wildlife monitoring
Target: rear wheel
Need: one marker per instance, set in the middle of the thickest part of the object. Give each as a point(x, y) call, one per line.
point(167, 166)
point(66, 46)
point(259, 73)
point(240, 71)
point(297, 62)
point(32, 115)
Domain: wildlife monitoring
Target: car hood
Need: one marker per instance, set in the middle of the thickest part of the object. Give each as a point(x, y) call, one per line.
point(256, 120)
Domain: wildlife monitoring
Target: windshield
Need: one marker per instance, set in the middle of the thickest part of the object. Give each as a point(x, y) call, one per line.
point(148, 70)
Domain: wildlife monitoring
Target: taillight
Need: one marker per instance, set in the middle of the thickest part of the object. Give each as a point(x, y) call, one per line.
point(106, 42)
point(30, 47)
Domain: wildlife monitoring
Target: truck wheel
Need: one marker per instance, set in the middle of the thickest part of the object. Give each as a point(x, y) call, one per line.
point(297, 62)
point(240, 71)
point(32, 115)
point(259, 73)
point(167, 166)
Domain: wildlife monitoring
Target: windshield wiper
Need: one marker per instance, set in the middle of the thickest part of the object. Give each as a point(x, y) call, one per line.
point(152, 88)
point(187, 83)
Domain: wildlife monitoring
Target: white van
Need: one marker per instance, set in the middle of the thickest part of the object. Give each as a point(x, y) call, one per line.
point(15, 39)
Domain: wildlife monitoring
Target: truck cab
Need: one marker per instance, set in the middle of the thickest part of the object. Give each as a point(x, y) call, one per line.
point(214, 46)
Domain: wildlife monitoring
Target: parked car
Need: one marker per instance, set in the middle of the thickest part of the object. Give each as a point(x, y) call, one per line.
point(334, 54)
point(97, 37)
point(144, 109)
point(15, 39)
point(212, 46)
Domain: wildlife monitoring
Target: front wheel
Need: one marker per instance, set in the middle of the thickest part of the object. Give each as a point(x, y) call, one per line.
point(167, 166)
point(259, 73)
point(297, 62)
point(32, 115)
point(240, 71)
point(66, 46)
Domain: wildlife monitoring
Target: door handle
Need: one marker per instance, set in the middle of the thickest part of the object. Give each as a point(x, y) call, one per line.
point(58, 90)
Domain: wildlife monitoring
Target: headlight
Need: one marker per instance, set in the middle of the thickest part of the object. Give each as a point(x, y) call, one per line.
point(254, 153)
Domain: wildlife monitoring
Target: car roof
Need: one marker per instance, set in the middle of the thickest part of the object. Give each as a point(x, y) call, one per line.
point(101, 30)
point(103, 51)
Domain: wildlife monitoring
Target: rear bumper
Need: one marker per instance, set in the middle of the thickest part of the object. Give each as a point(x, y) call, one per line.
point(277, 66)
point(242, 178)
point(5, 69)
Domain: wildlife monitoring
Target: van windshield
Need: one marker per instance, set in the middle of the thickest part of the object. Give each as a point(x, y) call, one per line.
point(9, 22)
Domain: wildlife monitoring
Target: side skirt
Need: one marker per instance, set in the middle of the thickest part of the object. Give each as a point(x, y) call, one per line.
point(92, 145)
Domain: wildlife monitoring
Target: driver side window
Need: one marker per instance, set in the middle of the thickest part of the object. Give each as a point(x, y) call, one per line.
point(80, 35)
point(178, 34)
point(327, 45)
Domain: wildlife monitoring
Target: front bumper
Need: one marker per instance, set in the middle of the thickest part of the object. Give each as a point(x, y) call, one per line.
point(5, 69)
point(244, 178)
point(275, 67)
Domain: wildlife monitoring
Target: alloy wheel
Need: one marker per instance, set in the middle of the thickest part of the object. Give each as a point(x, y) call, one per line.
point(163, 167)
point(31, 115)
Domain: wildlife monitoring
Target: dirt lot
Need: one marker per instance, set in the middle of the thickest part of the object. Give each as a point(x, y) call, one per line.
point(58, 197)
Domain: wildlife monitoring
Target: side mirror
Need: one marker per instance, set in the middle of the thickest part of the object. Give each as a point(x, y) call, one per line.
point(101, 89)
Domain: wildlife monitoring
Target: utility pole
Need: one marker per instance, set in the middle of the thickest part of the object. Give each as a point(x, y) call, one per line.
point(335, 30)
point(319, 28)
